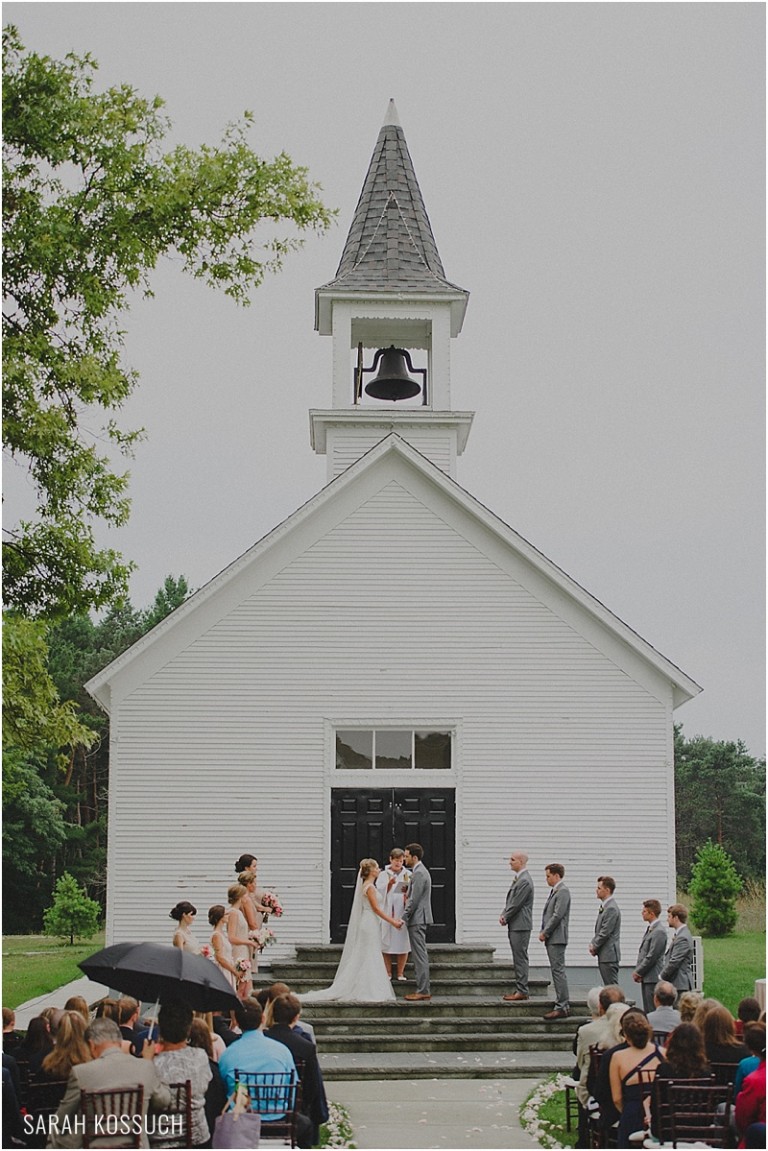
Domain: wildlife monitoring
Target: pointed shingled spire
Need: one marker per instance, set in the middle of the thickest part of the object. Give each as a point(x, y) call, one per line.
point(390, 246)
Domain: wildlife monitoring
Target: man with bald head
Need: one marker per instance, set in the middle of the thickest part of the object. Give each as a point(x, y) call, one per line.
point(517, 917)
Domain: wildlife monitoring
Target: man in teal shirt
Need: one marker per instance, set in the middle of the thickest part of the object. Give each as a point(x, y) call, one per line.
point(254, 1052)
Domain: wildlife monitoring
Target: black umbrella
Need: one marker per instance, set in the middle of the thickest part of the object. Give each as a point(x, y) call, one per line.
point(153, 971)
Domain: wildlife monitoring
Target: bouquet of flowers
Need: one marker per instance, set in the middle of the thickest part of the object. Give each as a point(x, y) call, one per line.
point(270, 900)
point(263, 937)
point(206, 951)
point(242, 967)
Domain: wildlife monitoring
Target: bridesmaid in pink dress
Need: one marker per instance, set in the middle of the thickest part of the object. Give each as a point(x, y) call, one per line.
point(237, 933)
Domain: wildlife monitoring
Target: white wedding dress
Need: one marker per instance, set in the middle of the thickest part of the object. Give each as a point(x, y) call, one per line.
point(360, 976)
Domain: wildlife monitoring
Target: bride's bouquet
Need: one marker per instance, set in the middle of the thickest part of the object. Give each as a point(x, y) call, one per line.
point(270, 900)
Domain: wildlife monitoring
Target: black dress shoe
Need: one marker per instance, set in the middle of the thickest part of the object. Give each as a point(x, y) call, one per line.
point(558, 1013)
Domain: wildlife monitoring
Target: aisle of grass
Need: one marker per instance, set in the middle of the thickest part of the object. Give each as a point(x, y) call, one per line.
point(36, 965)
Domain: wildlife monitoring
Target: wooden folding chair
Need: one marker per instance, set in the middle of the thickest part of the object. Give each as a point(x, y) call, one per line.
point(178, 1131)
point(110, 1113)
point(276, 1097)
point(42, 1099)
point(661, 1114)
point(700, 1114)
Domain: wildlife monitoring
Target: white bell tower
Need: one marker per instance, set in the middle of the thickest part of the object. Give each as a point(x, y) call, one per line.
point(392, 315)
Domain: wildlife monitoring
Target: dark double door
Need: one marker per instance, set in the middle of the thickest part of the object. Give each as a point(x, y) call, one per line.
point(369, 823)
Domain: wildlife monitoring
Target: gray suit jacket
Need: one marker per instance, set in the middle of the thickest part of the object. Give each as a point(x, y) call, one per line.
point(678, 960)
point(650, 954)
point(607, 933)
point(518, 912)
point(418, 905)
point(111, 1070)
point(554, 923)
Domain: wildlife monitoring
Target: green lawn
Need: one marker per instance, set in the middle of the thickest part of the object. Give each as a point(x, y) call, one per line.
point(731, 966)
point(37, 964)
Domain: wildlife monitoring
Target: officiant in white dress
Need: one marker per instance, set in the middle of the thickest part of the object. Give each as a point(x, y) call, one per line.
point(392, 886)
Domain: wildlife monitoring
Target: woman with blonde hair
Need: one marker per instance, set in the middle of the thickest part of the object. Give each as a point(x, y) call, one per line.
point(243, 947)
point(360, 976)
point(70, 1049)
point(78, 1003)
point(688, 1004)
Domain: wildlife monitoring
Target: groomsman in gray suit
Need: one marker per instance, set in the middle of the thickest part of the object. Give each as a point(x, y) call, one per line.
point(605, 942)
point(554, 935)
point(517, 917)
point(678, 960)
point(650, 955)
point(417, 916)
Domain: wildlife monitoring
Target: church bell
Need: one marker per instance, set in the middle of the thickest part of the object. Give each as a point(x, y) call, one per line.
point(393, 380)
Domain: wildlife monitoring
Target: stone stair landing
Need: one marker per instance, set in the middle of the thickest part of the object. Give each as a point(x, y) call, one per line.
point(465, 1030)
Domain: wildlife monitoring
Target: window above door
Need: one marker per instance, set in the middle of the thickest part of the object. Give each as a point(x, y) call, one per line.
point(398, 748)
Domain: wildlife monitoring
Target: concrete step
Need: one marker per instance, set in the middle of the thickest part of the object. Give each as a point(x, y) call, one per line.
point(492, 1007)
point(459, 1026)
point(465, 982)
point(425, 1040)
point(439, 953)
point(470, 1064)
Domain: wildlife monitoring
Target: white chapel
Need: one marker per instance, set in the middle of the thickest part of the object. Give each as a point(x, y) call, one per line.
point(391, 663)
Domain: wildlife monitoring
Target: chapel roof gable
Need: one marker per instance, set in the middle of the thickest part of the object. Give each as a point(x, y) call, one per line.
point(393, 458)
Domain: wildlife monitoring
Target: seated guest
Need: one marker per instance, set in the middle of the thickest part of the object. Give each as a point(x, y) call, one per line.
point(177, 1061)
point(664, 1018)
point(750, 1108)
point(601, 1089)
point(687, 1005)
point(79, 1004)
point(254, 1051)
point(226, 1027)
point(13, 1126)
point(720, 1041)
point(600, 1032)
point(215, 1095)
point(70, 1048)
point(218, 1046)
point(702, 1011)
point(754, 1041)
point(684, 1058)
point(110, 1068)
point(627, 1090)
point(35, 1045)
point(748, 1011)
point(286, 1010)
point(128, 1017)
point(11, 1037)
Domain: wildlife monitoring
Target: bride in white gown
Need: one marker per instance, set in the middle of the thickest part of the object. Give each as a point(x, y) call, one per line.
point(360, 976)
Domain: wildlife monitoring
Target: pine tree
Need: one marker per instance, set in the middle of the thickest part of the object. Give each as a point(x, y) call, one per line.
point(72, 912)
point(714, 887)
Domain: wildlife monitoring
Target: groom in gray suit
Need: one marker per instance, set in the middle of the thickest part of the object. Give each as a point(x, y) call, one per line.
point(417, 915)
point(517, 917)
point(605, 942)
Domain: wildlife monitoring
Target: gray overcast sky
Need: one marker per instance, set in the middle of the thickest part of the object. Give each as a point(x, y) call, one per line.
point(594, 176)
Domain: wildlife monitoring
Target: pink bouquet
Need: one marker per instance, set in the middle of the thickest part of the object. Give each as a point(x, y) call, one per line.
point(206, 951)
point(270, 900)
point(242, 967)
point(263, 937)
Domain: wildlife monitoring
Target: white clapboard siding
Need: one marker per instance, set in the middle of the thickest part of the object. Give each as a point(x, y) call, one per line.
point(437, 444)
point(393, 615)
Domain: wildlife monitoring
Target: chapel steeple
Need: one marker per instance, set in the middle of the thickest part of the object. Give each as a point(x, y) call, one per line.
point(391, 311)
